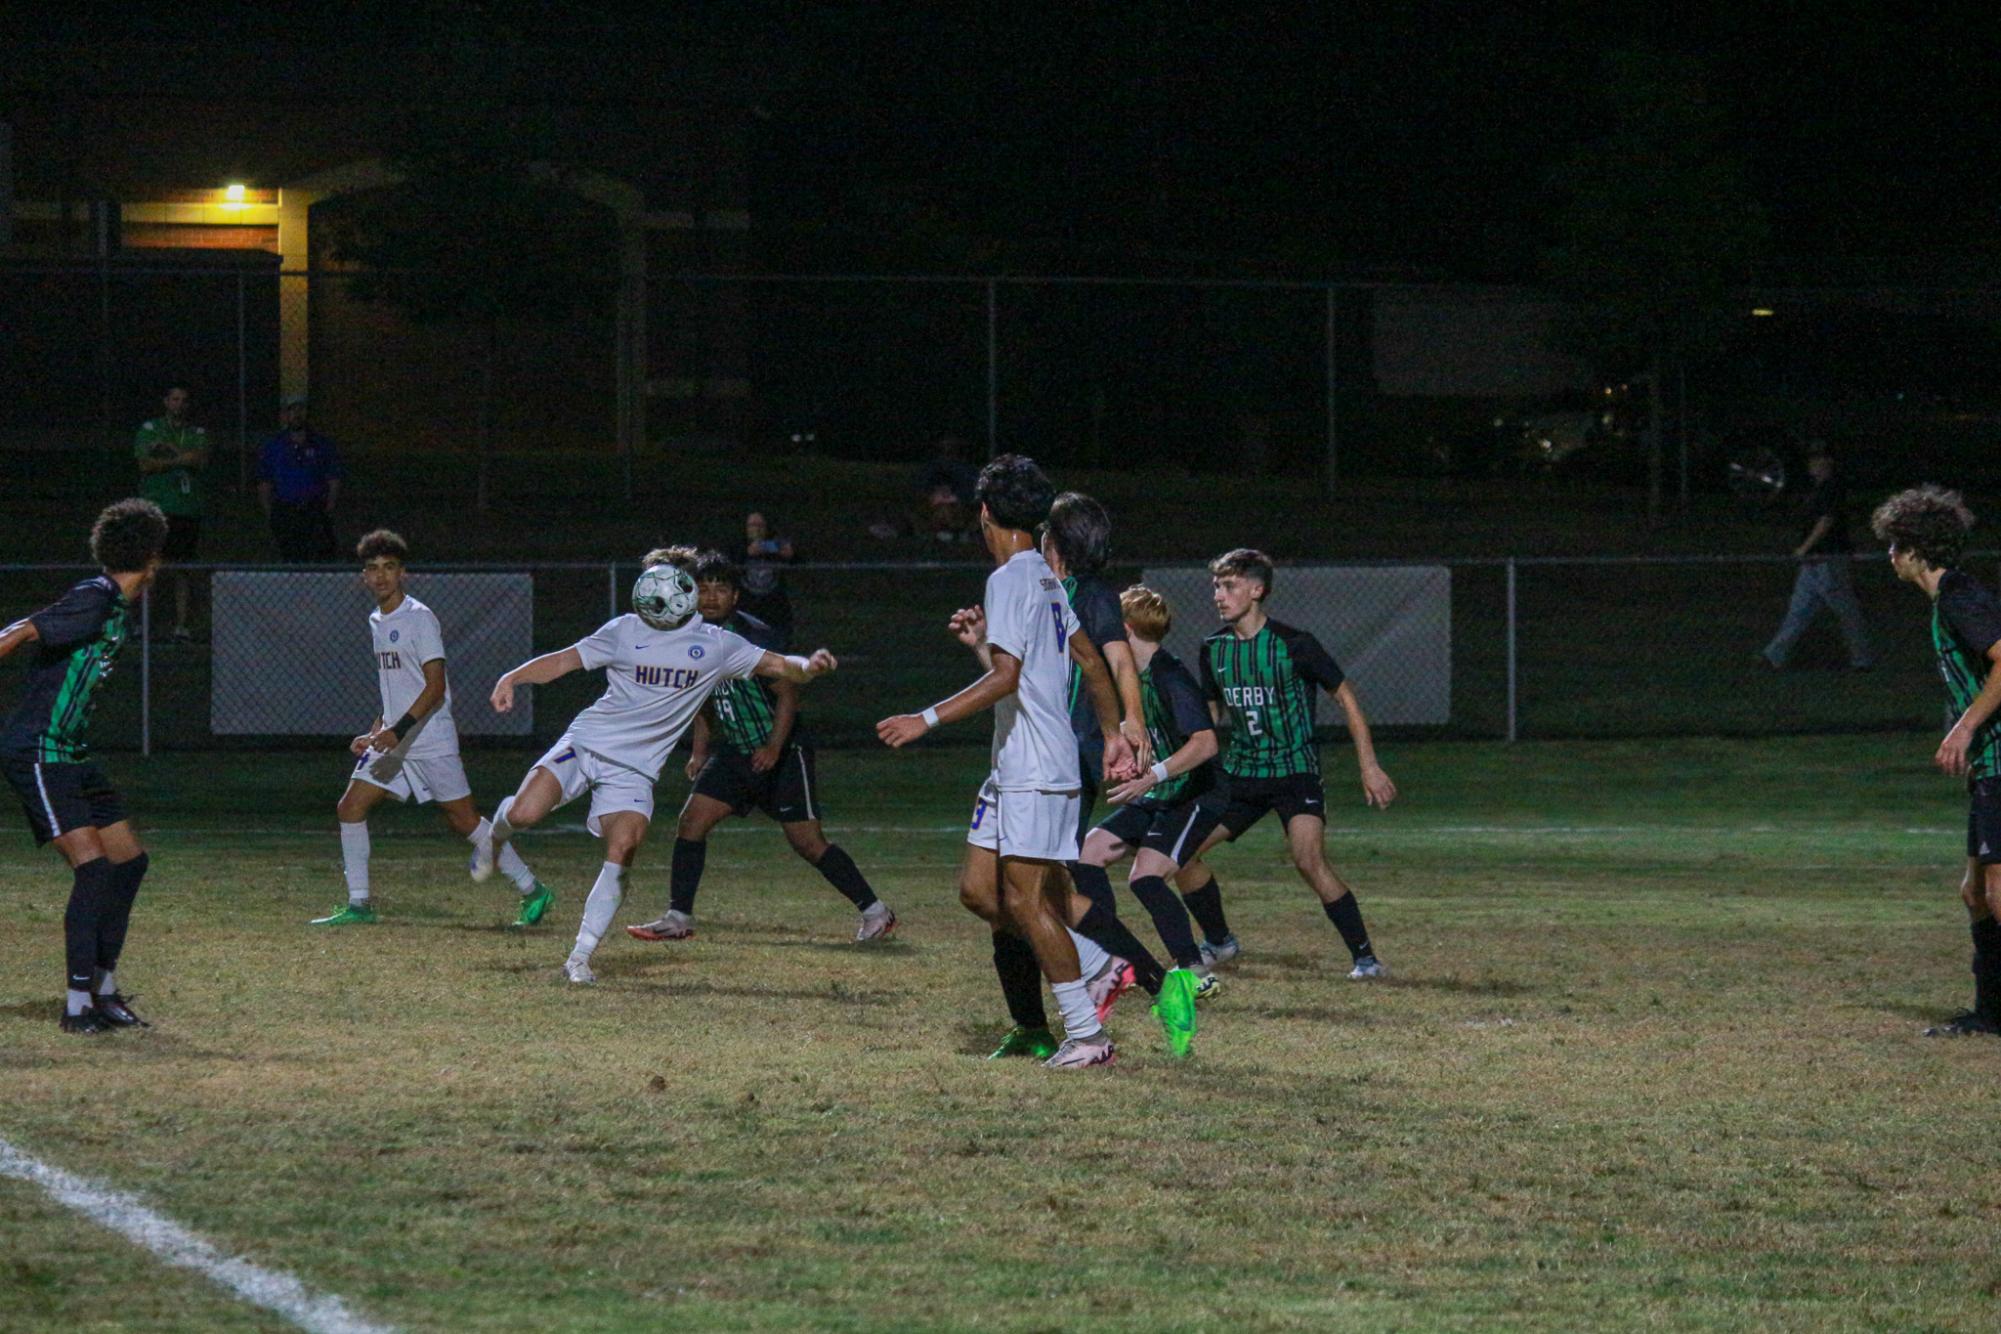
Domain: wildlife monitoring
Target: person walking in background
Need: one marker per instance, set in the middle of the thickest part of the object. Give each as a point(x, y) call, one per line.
point(766, 554)
point(1824, 579)
point(172, 453)
point(298, 483)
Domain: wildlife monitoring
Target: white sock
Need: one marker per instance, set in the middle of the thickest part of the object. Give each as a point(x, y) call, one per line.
point(1091, 957)
point(107, 983)
point(599, 908)
point(502, 831)
point(506, 858)
point(75, 1002)
point(354, 856)
point(1080, 1017)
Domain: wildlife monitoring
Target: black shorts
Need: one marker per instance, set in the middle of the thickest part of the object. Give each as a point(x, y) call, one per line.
point(1176, 832)
point(788, 792)
point(1250, 799)
point(59, 798)
point(183, 537)
point(1983, 820)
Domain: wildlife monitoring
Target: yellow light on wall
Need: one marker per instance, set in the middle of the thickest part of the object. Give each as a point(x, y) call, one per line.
point(1762, 312)
point(232, 195)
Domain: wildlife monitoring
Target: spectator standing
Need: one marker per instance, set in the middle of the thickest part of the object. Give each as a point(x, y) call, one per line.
point(298, 482)
point(172, 454)
point(766, 554)
point(945, 508)
point(1825, 578)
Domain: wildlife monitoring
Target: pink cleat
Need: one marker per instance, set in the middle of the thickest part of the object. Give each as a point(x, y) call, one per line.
point(1114, 980)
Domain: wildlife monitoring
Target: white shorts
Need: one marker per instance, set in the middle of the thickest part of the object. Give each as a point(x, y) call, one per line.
point(1039, 825)
point(435, 778)
point(613, 787)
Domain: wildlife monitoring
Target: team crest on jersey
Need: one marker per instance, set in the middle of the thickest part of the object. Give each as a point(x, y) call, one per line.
point(696, 651)
point(394, 635)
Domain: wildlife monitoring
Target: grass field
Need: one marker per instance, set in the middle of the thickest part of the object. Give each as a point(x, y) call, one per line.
point(1650, 1059)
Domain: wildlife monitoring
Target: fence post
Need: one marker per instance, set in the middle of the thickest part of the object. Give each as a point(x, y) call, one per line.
point(993, 368)
point(1331, 463)
point(146, 673)
point(1512, 733)
point(243, 390)
point(611, 591)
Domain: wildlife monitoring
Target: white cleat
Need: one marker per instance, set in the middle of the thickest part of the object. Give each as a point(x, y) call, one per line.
point(1368, 968)
point(1081, 1053)
point(1222, 952)
point(577, 970)
point(878, 923)
point(1206, 987)
point(482, 859)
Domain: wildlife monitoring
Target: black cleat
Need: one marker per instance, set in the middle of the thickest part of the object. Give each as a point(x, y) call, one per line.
point(1965, 1024)
point(87, 1022)
point(115, 1012)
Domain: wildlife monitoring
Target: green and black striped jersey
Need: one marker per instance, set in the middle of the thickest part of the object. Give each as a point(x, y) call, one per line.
point(1266, 682)
point(1175, 711)
point(746, 711)
point(1966, 623)
point(77, 640)
point(1098, 612)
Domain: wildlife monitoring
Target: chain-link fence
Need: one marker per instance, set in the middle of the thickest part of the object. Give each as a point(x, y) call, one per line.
point(1535, 648)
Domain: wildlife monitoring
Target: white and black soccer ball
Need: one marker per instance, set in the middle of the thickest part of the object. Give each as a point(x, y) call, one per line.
point(664, 596)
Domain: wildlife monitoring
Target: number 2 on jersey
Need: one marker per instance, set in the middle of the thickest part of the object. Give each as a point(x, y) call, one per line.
point(1252, 723)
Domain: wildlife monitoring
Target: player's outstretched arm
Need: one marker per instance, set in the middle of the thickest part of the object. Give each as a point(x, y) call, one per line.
point(535, 672)
point(1376, 785)
point(1000, 681)
point(20, 632)
point(1951, 756)
point(1195, 752)
point(1118, 657)
point(1119, 765)
point(791, 667)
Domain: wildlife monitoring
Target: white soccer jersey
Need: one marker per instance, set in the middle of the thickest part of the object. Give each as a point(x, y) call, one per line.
point(1029, 618)
point(655, 683)
point(405, 640)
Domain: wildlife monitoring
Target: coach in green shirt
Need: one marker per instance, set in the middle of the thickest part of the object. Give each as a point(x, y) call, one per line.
point(172, 453)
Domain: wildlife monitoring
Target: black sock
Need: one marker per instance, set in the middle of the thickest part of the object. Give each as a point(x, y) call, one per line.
point(1206, 906)
point(1020, 979)
point(1987, 968)
point(1107, 932)
point(1096, 885)
point(89, 901)
point(844, 875)
point(111, 924)
point(1170, 919)
point(686, 876)
point(1347, 919)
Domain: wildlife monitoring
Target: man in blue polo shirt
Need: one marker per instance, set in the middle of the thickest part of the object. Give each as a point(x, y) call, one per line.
point(298, 482)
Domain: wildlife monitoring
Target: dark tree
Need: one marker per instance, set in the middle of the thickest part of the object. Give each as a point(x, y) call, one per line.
point(1659, 232)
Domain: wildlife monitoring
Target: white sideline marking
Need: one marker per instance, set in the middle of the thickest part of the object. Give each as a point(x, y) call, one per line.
point(175, 1245)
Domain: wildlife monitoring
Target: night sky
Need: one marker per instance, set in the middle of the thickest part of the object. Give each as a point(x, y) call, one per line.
point(1191, 138)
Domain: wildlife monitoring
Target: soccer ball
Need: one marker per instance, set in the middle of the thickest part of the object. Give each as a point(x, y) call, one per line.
point(664, 597)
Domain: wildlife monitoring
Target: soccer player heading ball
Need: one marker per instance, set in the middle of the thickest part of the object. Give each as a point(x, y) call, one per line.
point(661, 663)
point(1925, 529)
point(45, 750)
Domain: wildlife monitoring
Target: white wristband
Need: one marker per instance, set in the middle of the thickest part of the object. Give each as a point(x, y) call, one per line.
point(930, 716)
point(1159, 771)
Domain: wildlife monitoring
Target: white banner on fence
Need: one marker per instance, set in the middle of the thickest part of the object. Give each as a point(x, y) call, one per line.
point(293, 653)
point(1390, 628)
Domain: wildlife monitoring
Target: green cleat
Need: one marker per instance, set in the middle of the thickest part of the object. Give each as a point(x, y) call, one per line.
point(1036, 1042)
point(354, 914)
point(1176, 1009)
point(535, 904)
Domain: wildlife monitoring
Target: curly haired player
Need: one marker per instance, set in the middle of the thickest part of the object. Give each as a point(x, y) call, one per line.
point(1925, 529)
point(45, 751)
